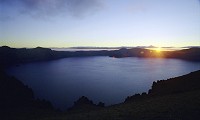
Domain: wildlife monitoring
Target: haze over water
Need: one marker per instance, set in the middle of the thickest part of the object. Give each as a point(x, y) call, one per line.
point(105, 79)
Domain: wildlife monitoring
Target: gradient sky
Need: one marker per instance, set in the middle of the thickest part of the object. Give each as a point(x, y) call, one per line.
point(106, 23)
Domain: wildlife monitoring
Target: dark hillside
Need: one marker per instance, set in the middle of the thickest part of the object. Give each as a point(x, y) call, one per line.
point(192, 54)
point(174, 99)
point(17, 100)
point(183, 83)
point(181, 106)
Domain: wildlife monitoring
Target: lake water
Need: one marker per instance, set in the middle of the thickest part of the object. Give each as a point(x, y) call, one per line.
point(105, 79)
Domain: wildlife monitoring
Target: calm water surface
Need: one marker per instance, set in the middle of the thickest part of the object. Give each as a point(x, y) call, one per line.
point(105, 79)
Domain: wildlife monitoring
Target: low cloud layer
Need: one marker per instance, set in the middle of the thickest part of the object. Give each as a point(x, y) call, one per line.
point(48, 8)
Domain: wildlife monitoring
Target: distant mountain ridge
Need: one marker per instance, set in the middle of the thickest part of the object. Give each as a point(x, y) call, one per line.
point(13, 56)
point(128, 47)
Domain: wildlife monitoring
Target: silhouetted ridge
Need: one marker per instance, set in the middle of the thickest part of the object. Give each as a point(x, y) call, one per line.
point(83, 104)
point(17, 99)
point(12, 56)
point(83, 100)
point(185, 83)
point(13, 93)
point(192, 54)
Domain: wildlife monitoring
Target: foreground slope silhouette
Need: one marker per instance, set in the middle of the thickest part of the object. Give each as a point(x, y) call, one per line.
point(173, 99)
point(17, 101)
point(176, 98)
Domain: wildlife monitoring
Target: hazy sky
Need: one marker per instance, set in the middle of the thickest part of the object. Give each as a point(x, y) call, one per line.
point(67, 23)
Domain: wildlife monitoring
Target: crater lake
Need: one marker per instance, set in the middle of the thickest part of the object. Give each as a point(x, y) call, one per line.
point(106, 79)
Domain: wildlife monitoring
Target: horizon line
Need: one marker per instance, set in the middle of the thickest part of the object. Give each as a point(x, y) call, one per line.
point(100, 47)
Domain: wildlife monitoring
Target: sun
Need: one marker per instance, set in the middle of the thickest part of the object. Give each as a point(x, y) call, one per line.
point(158, 50)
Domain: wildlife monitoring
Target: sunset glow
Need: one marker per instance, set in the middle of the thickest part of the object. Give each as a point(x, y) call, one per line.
point(158, 50)
point(100, 23)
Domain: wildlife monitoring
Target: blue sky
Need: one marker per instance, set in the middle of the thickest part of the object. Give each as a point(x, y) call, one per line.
point(106, 23)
